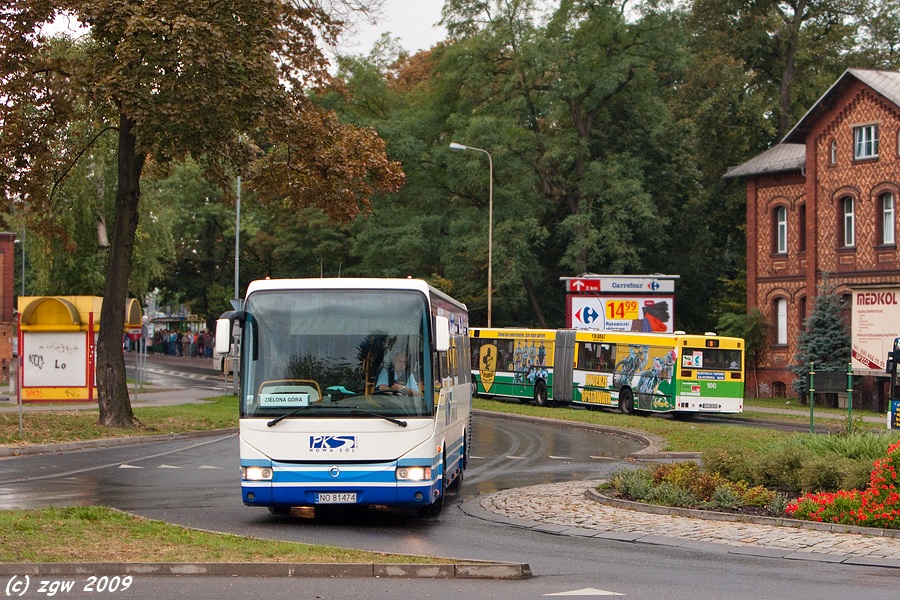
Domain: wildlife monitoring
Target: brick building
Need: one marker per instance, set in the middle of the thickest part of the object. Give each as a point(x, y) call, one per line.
point(823, 202)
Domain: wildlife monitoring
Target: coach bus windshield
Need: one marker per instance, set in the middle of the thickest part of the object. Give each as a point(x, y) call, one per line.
point(330, 353)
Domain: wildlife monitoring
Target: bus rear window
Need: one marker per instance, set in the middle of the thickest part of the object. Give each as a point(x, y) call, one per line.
point(709, 358)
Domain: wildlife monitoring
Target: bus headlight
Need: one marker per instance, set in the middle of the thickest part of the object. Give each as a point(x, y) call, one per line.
point(413, 473)
point(256, 473)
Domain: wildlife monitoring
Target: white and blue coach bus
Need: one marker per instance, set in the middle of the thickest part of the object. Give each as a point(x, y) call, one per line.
point(327, 416)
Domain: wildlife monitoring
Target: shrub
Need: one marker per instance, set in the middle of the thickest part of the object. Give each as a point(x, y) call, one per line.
point(725, 497)
point(667, 494)
point(632, 483)
point(823, 473)
point(805, 462)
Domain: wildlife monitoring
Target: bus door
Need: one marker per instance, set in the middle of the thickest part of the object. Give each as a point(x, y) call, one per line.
point(563, 367)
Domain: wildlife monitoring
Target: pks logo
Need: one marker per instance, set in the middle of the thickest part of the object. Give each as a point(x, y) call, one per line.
point(587, 315)
point(333, 443)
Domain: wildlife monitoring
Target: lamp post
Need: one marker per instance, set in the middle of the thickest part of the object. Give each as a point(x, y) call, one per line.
point(460, 147)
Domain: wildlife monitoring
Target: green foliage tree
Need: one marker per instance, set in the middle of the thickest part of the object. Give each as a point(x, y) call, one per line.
point(170, 80)
point(824, 341)
point(753, 327)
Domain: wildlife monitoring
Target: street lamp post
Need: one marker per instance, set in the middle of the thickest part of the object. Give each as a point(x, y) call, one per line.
point(460, 147)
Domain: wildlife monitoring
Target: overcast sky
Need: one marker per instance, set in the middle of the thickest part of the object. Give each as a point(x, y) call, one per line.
point(413, 21)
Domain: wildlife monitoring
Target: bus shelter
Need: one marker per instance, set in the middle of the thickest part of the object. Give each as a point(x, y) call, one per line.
point(57, 340)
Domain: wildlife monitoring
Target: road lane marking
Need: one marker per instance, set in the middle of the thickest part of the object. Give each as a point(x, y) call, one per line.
point(586, 592)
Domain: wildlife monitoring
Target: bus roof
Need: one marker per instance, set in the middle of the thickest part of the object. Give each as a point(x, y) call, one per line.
point(648, 337)
point(350, 283)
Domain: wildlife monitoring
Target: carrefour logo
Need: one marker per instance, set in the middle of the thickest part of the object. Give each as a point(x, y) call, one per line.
point(587, 315)
point(654, 285)
point(333, 443)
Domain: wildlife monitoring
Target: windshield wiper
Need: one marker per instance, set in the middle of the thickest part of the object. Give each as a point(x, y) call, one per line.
point(375, 414)
point(362, 411)
point(290, 413)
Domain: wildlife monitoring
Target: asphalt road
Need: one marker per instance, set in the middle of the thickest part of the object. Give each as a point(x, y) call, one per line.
point(194, 482)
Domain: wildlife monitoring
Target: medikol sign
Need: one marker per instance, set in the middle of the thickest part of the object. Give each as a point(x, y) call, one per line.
point(875, 322)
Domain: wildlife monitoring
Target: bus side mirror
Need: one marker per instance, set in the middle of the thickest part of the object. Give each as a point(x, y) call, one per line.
point(441, 334)
point(223, 336)
point(225, 329)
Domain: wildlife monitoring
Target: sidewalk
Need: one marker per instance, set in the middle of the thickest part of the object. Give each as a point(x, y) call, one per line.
point(153, 395)
point(575, 509)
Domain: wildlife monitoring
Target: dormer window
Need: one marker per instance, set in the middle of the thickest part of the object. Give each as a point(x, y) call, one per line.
point(865, 142)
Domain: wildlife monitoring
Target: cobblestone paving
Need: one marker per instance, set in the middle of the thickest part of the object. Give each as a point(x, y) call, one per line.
point(566, 505)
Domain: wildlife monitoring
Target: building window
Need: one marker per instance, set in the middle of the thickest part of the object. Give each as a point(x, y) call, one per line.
point(833, 152)
point(801, 228)
point(848, 222)
point(779, 228)
point(781, 321)
point(886, 207)
point(865, 142)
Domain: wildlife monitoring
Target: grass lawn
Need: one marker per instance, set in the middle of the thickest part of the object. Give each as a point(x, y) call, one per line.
point(98, 534)
point(47, 427)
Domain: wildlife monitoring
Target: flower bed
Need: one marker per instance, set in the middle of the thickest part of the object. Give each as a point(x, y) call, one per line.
point(876, 506)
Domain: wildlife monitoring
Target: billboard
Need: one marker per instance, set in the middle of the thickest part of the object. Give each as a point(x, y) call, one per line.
point(875, 322)
point(620, 313)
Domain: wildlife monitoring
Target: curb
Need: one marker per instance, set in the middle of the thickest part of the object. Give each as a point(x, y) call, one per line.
point(711, 515)
point(322, 570)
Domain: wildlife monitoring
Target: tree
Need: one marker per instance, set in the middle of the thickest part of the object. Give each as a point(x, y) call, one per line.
point(824, 340)
point(753, 328)
point(225, 83)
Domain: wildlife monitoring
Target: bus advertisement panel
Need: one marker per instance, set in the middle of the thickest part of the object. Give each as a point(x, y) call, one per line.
point(673, 373)
point(352, 391)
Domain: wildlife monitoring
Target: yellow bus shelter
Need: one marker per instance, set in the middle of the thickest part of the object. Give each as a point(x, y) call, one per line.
point(57, 338)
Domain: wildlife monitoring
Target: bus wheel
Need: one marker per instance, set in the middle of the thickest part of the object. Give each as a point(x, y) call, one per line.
point(626, 401)
point(434, 509)
point(540, 394)
point(456, 486)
